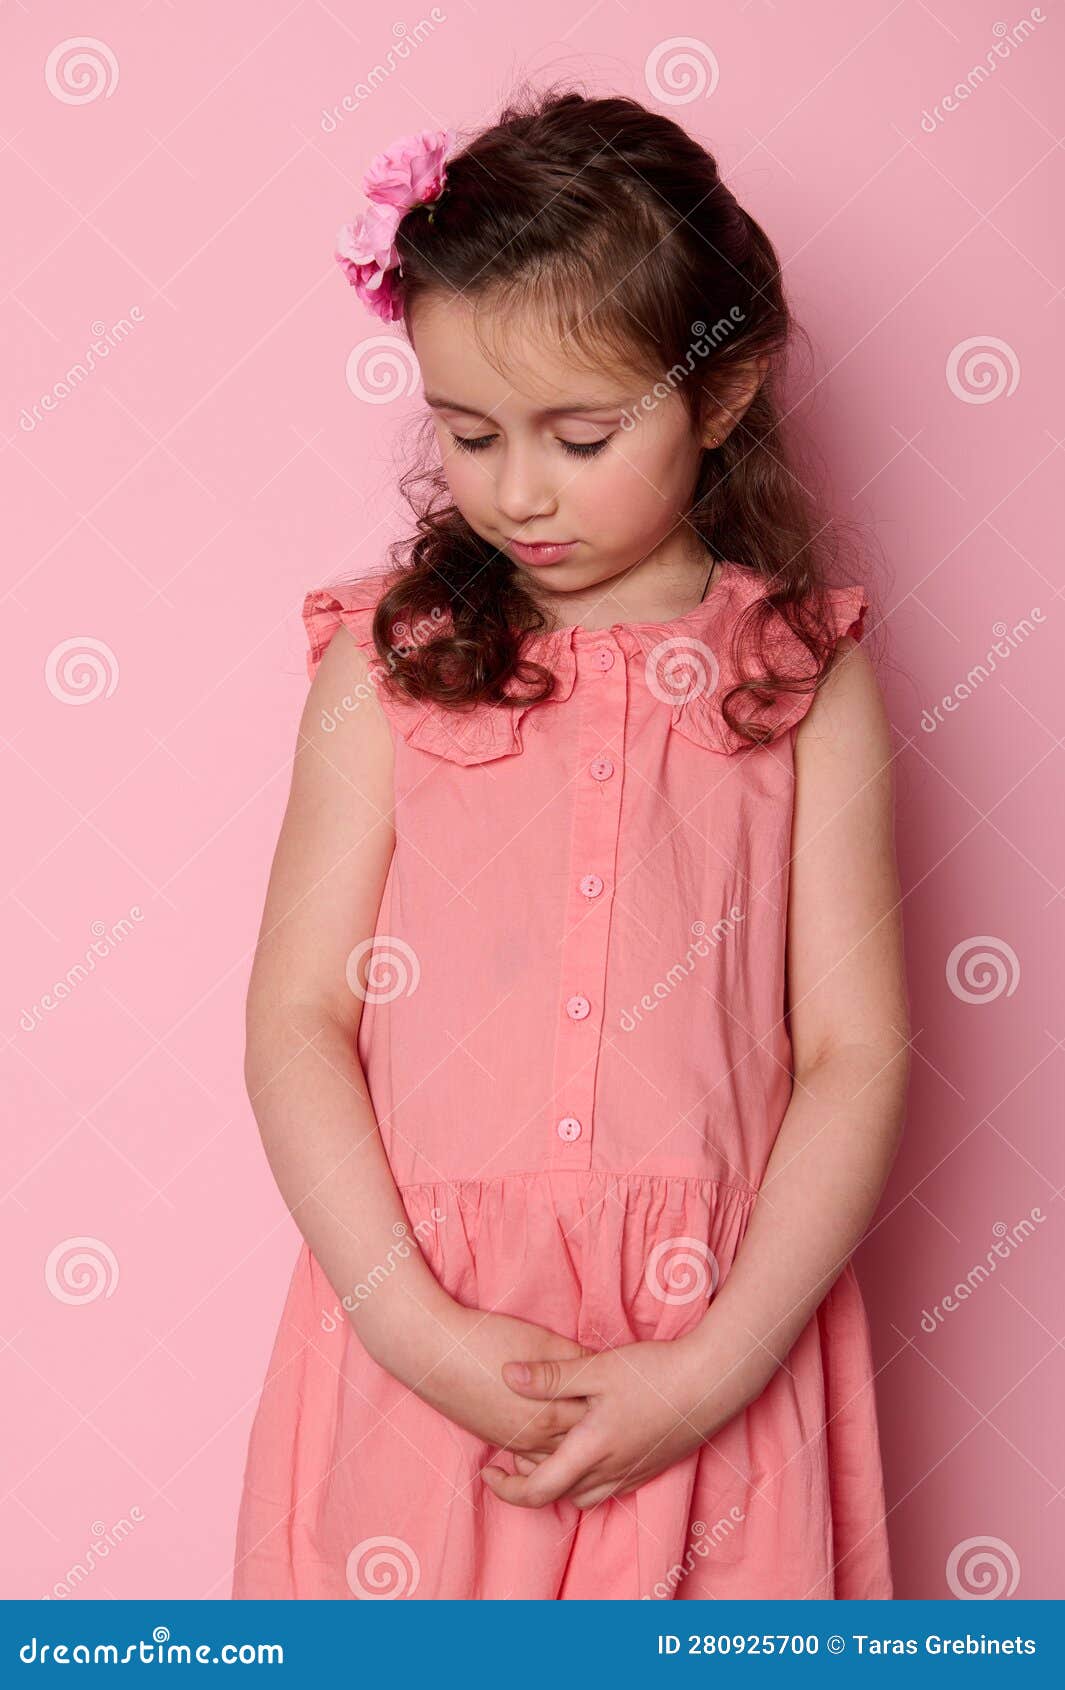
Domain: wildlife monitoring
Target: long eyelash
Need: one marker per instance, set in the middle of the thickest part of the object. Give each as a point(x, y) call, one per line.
point(586, 449)
point(476, 445)
point(576, 449)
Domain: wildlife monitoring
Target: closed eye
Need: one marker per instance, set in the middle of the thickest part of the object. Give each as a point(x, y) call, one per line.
point(576, 449)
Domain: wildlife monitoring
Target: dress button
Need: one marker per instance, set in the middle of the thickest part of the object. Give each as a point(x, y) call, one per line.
point(569, 1128)
point(602, 768)
point(591, 885)
point(604, 658)
point(577, 1007)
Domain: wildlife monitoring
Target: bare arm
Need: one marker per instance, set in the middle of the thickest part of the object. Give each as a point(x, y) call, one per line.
point(307, 1086)
point(302, 1071)
point(849, 1028)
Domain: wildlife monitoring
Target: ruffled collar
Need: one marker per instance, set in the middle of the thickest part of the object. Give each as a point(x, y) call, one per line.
point(688, 664)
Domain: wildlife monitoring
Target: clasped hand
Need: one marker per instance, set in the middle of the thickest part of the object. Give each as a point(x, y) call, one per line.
point(646, 1407)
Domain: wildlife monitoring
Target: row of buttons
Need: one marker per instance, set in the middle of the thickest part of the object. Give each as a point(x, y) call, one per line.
point(577, 1006)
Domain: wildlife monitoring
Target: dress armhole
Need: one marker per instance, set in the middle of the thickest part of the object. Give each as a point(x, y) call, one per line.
point(325, 608)
point(845, 609)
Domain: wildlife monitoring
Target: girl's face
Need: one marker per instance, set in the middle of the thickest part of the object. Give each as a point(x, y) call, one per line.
point(539, 451)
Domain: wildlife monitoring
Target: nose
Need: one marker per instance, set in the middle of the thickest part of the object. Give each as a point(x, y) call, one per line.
point(524, 484)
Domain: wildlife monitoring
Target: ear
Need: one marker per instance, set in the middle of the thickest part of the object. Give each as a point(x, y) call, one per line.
point(742, 385)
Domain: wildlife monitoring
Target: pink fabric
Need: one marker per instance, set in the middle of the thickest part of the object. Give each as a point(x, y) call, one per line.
point(577, 854)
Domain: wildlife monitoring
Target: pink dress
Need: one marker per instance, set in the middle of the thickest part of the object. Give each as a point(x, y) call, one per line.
point(578, 1056)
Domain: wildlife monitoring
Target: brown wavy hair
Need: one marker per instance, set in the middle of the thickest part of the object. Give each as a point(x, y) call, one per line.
point(613, 221)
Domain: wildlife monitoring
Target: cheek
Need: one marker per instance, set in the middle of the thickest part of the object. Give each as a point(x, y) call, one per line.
point(641, 481)
point(468, 482)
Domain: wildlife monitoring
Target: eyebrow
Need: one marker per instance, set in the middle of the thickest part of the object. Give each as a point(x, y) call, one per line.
point(439, 403)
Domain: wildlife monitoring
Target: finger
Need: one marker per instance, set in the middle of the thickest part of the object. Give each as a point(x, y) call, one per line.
point(561, 1471)
point(547, 1379)
point(592, 1498)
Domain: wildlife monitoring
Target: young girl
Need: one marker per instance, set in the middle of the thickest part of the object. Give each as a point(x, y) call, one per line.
point(577, 1029)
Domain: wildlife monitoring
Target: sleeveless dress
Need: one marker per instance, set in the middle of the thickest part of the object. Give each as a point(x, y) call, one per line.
point(577, 1051)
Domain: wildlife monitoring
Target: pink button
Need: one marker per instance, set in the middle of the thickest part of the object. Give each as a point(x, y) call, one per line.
point(591, 885)
point(577, 1007)
point(603, 658)
point(602, 768)
point(569, 1128)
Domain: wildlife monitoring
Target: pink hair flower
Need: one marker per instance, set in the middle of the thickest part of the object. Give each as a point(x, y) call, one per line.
point(366, 251)
point(409, 173)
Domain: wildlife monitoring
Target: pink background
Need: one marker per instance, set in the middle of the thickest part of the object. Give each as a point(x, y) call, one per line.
point(171, 510)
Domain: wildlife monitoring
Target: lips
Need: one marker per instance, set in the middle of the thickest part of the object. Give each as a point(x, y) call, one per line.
point(540, 551)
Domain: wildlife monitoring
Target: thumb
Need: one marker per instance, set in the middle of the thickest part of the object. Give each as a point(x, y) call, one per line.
point(546, 1379)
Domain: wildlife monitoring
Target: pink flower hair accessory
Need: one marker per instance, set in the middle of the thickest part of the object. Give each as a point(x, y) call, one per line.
point(411, 172)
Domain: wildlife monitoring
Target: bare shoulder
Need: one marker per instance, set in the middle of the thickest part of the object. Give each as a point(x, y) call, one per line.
point(845, 735)
point(343, 718)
